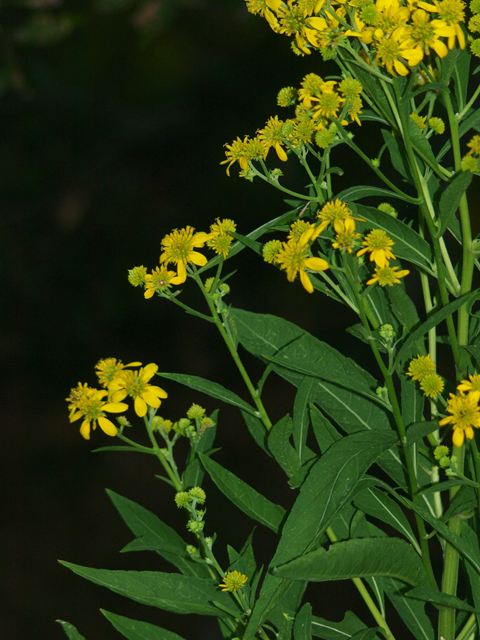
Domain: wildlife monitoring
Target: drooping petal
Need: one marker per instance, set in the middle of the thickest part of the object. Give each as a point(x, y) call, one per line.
point(458, 437)
point(118, 396)
point(197, 258)
point(115, 407)
point(281, 152)
point(316, 264)
point(107, 426)
point(140, 407)
point(85, 429)
point(305, 280)
point(158, 391)
point(181, 273)
point(151, 399)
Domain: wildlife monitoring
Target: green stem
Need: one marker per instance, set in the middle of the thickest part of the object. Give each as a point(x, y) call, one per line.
point(367, 598)
point(468, 631)
point(262, 414)
point(277, 185)
point(172, 473)
point(446, 619)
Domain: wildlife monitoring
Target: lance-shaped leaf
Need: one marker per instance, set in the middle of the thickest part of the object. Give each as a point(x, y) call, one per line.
point(450, 200)
point(281, 448)
point(137, 630)
point(302, 628)
point(469, 535)
point(441, 599)
point(411, 611)
point(353, 194)
point(153, 534)
point(329, 486)
point(419, 430)
point(70, 630)
point(420, 144)
point(168, 591)
point(212, 389)
point(377, 504)
point(324, 431)
point(328, 630)
point(435, 319)
point(409, 245)
point(244, 496)
point(358, 558)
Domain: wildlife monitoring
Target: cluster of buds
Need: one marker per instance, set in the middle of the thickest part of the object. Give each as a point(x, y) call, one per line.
point(189, 500)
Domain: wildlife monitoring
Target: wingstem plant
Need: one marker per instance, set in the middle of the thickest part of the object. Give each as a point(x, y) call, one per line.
point(411, 64)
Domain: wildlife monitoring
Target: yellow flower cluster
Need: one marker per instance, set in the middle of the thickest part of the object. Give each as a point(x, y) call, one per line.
point(294, 255)
point(119, 381)
point(318, 104)
point(233, 581)
point(464, 410)
point(179, 247)
point(471, 161)
point(397, 34)
point(422, 368)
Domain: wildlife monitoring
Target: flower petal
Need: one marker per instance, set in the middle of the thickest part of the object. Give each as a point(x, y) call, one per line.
point(151, 399)
point(316, 264)
point(305, 280)
point(115, 407)
point(85, 429)
point(149, 371)
point(107, 426)
point(158, 391)
point(140, 407)
point(197, 258)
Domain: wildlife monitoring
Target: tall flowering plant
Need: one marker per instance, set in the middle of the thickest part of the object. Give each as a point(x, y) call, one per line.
point(405, 68)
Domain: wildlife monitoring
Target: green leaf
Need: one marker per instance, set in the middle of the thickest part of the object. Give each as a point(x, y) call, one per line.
point(302, 628)
point(471, 538)
point(168, 591)
point(441, 486)
point(153, 534)
point(257, 430)
point(413, 402)
point(280, 447)
point(433, 320)
point(419, 430)
point(461, 76)
point(357, 558)
point(367, 634)
point(328, 630)
point(244, 496)
point(248, 242)
point(450, 200)
point(398, 156)
point(377, 504)
point(420, 144)
point(409, 245)
point(329, 486)
point(193, 474)
point(403, 307)
point(353, 194)
point(301, 419)
point(324, 431)
point(212, 389)
point(437, 597)
point(463, 503)
point(70, 630)
point(412, 612)
point(136, 630)
point(465, 549)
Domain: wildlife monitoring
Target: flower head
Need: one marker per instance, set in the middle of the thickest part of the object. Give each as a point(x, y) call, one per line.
point(179, 247)
point(465, 414)
point(431, 385)
point(236, 152)
point(136, 385)
point(108, 368)
point(270, 250)
point(272, 136)
point(220, 238)
point(89, 404)
point(233, 581)
point(159, 281)
point(295, 258)
point(378, 244)
point(346, 238)
point(136, 276)
point(420, 367)
point(387, 275)
point(472, 386)
point(334, 212)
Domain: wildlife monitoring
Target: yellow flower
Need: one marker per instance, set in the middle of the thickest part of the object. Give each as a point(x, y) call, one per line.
point(420, 367)
point(453, 12)
point(159, 281)
point(237, 152)
point(465, 415)
point(297, 228)
point(88, 403)
point(336, 212)
point(221, 239)
point(419, 120)
point(295, 258)
point(378, 243)
point(179, 248)
point(424, 34)
point(390, 51)
point(233, 581)
point(108, 368)
point(472, 386)
point(387, 275)
point(136, 385)
point(346, 238)
point(270, 250)
point(272, 136)
point(431, 385)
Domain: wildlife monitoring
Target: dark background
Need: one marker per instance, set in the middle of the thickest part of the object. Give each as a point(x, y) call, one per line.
point(113, 115)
